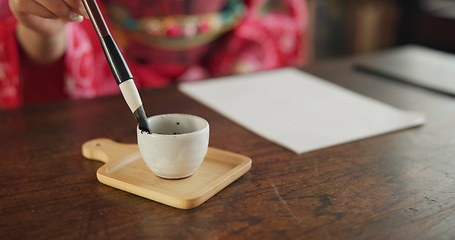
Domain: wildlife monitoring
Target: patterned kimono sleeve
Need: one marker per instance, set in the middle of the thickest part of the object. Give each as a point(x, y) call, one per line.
point(9, 64)
point(87, 73)
point(264, 39)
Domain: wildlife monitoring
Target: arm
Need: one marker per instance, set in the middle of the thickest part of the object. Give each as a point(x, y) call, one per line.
point(41, 23)
point(41, 49)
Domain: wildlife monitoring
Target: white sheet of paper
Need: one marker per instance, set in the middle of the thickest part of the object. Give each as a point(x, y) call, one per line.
point(414, 64)
point(297, 110)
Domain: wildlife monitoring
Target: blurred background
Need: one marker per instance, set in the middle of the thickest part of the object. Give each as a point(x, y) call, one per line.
point(346, 27)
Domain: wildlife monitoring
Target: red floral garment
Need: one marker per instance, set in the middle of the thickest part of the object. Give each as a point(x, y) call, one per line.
point(9, 60)
point(261, 40)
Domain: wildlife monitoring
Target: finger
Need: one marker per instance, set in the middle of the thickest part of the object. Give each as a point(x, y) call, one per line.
point(31, 7)
point(61, 9)
point(77, 7)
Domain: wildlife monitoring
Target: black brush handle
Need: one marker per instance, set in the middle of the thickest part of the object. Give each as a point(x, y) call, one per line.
point(115, 59)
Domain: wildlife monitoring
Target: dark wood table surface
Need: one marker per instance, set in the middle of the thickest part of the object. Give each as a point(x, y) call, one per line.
point(395, 186)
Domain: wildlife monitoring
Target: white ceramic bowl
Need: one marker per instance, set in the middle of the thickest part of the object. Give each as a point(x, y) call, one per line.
point(177, 145)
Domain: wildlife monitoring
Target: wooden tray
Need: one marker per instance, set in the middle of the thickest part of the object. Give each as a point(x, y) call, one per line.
point(125, 170)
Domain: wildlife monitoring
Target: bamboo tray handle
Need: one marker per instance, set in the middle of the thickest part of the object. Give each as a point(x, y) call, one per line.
point(106, 150)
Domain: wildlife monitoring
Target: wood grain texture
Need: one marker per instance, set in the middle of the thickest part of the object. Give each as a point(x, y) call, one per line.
point(395, 186)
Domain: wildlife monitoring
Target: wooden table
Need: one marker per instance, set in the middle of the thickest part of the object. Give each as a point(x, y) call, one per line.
point(396, 186)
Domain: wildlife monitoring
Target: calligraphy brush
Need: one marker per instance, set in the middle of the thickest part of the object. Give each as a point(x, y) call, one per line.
point(118, 65)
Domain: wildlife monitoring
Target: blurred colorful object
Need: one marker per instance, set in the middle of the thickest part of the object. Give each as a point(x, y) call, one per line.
point(164, 41)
